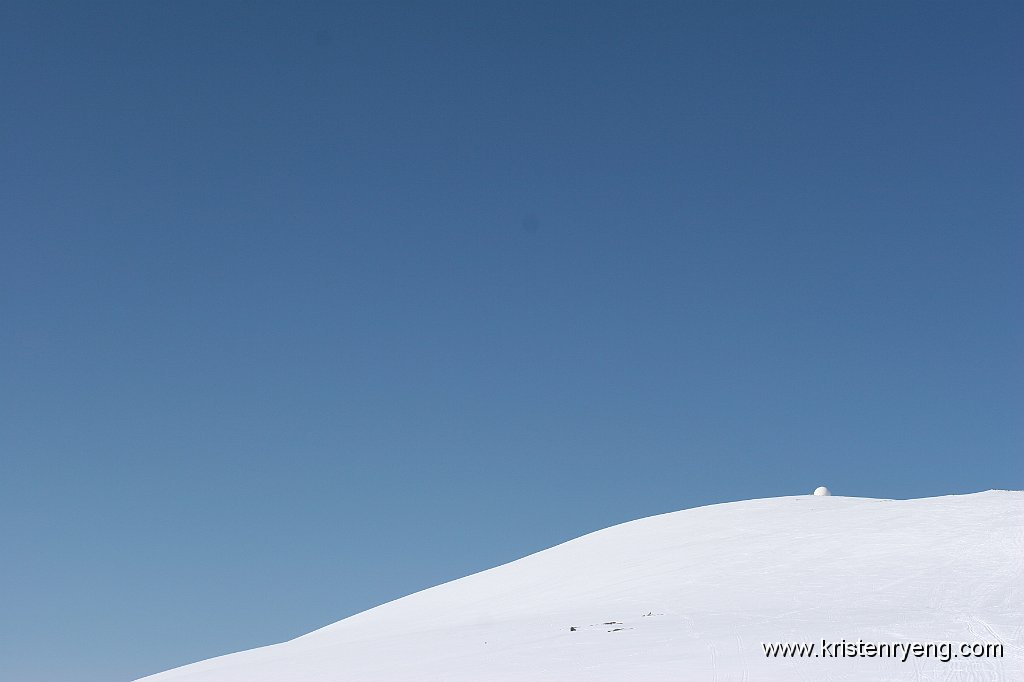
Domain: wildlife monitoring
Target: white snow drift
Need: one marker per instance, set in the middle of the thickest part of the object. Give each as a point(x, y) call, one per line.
point(692, 595)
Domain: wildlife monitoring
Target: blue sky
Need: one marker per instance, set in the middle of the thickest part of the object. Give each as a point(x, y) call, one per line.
point(308, 306)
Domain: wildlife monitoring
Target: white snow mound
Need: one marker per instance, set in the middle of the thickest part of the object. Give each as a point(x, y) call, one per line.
point(693, 595)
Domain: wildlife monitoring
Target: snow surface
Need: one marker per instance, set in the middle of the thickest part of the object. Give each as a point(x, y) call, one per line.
point(691, 595)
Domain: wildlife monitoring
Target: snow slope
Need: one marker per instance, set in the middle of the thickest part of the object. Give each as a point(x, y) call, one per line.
point(691, 595)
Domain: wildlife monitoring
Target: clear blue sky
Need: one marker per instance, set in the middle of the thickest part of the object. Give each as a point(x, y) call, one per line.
point(308, 306)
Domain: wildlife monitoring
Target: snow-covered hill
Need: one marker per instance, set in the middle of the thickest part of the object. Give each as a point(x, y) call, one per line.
point(693, 595)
